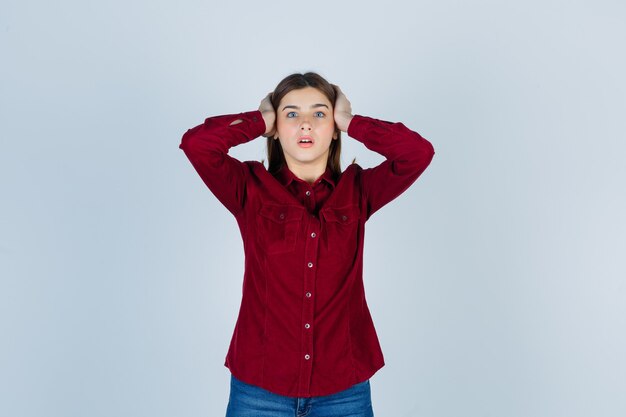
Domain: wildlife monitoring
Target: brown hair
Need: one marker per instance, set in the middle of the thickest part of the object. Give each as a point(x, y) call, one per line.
point(275, 156)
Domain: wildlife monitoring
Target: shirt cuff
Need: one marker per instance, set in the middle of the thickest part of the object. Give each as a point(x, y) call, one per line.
point(360, 124)
point(255, 124)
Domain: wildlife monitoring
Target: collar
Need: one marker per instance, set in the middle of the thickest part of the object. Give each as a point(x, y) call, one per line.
point(285, 176)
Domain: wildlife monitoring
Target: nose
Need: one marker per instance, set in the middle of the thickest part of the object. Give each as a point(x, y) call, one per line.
point(306, 125)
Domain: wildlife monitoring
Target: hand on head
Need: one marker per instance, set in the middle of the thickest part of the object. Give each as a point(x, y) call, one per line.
point(342, 111)
point(269, 115)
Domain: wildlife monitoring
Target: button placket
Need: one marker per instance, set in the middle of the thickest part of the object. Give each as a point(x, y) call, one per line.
point(309, 200)
point(310, 273)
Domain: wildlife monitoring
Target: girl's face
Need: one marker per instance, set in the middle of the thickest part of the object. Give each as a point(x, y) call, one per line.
point(305, 115)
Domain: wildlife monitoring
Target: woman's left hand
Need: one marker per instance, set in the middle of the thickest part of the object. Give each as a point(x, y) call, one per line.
point(343, 110)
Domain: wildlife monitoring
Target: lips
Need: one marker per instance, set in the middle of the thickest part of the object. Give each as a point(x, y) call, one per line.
point(305, 142)
point(305, 139)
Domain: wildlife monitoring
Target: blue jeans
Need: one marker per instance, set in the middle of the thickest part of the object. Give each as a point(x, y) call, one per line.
point(251, 401)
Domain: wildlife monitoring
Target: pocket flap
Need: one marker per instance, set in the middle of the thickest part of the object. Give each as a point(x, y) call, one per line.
point(281, 213)
point(345, 215)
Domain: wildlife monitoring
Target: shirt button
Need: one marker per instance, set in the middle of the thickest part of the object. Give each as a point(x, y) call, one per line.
point(308, 193)
point(306, 326)
point(310, 264)
point(344, 218)
point(313, 234)
point(282, 215)
point(308, 295)
point(307, 356)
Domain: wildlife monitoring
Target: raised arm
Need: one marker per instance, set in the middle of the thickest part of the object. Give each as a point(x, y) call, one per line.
point(407, 154)
point(207, 145)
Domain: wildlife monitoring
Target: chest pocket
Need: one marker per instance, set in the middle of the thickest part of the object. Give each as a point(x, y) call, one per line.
point(278, 227)
point(342, 230)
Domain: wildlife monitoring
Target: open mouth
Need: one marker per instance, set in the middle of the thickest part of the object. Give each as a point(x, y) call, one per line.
point(305, 142)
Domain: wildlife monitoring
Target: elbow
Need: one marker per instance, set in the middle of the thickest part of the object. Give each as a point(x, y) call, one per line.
point(189, 139)
point(429, 150)
point(183, 144)
point(428, 153)
point(424, 151)
point(417, 156)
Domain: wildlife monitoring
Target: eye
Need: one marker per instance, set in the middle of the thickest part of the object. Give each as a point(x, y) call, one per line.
point(321, 113)
point(290, 113)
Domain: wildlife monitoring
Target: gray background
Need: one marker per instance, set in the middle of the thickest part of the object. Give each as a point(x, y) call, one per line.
point(496, 282)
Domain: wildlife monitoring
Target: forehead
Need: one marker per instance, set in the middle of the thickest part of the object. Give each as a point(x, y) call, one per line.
point(305, 97)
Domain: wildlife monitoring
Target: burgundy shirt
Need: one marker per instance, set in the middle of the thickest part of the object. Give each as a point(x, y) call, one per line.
point(304, 328)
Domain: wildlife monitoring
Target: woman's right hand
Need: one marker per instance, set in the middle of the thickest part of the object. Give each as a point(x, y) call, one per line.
point(269, 116)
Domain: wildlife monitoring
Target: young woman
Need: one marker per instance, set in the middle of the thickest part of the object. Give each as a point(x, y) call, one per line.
point(304, 342)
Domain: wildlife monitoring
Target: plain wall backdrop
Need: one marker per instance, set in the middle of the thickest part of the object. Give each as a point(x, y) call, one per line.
point(496, 282)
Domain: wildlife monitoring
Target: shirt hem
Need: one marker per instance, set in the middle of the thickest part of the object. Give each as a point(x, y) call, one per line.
point(322, 393)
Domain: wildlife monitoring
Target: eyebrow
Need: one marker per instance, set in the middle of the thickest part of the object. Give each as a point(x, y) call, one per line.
point(314, 106)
